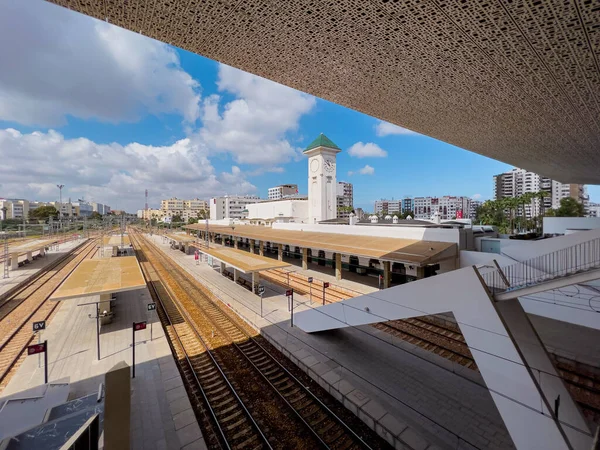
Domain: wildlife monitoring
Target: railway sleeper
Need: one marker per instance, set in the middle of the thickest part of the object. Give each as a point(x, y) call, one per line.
point(271, 371)
point(230, 417)
point(295, 400)
point(229, 398)
point(221, 388)
point(247, 442)
point(242, 420)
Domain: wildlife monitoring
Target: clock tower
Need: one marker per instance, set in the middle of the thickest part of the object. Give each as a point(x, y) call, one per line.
point(322, 183)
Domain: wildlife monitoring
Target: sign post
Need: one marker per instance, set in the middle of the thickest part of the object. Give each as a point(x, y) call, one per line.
point(40, 348)
point(38, 327)
point(137, 326)
point(151, 307)
point(261, 292)
point(290, 296)
point(310, 280)
point(325, 286)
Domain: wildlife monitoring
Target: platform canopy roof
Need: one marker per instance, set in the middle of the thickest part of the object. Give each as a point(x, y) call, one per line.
point(180, 237)
point(517, 81)
point(116, 240)
point(101, 276)
point(242, 260)
point(409, 251)
point(31, 246)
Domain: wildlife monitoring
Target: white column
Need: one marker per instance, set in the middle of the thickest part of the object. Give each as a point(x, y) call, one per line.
point(280, 252)
point(14, 261)
point(30, 256)
point(43, 251)
point(222, 267)
point(261, 248)
point(235, 275)
point(255, 281)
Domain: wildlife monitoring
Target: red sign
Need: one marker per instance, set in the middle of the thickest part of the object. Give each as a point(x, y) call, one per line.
point(36, 348)
point(137, 326)
point(326, 285)
point(196, 255)
point(459, 214)
point(289, 292)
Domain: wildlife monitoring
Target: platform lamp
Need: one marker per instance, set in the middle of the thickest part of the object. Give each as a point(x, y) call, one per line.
point(60, 188)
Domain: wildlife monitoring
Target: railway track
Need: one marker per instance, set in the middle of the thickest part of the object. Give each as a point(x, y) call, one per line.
point(232, 425)
point(28, 304)
point(282, 394)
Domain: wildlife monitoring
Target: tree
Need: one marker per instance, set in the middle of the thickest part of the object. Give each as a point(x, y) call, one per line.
point(96, 216)
point(191, 220)
point(202, 214)
point(43, 212)
point(569, 207)
point(176, 218)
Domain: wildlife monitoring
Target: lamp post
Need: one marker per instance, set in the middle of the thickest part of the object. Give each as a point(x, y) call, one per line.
point(60, 187)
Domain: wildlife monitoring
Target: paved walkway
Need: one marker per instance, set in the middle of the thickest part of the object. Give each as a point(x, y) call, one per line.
point(401, 388)
point(161, 414)
point(24, 272)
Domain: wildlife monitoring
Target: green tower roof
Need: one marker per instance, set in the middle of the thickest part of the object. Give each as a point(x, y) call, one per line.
point(321, 141)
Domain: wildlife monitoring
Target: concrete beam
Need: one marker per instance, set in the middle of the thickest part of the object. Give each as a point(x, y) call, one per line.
point(304, 259)
point(117, 407)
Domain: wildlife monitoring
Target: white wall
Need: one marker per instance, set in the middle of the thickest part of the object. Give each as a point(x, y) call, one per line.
point(456, 235)
point(559, 225)
point(298, 209)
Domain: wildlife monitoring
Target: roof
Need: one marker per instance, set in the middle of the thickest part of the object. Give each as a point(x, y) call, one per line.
point(31, 246)
point(321, 141)
point(406, 223)
point(180, 237)
point(242, 260)
point(116, 240)
point(101, 276)
point(410, 251)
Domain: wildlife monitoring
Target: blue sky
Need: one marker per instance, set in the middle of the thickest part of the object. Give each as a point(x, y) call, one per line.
point(112, 113)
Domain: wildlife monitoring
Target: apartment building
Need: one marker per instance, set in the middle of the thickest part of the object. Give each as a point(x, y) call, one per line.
point(19, 208)
point(520, 181)
point(447, 207)
point(230, 206)
point(408, 204)
point(388, 206)
point(186, 209)
point(283, 190)
point(475, 204)
point(344, 199)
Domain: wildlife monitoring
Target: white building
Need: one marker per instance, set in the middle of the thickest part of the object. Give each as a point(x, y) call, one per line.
point(288, 210)
point(322, 184)
point(344, 198)
point(100, 208)
point(520, 181)
point(593, 209)
point(388, 206)
point(282, 191)
point(185, 209)
point(230, 206)
point(446, 207)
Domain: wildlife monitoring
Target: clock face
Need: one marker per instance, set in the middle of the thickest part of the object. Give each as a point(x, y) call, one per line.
point(329, 165)
point(314, 165)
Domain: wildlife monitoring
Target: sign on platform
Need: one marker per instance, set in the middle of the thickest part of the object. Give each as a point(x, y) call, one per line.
point(138, 326)
point(36, 348)
point(310, 279)
point(326, 284)
point(39, 326)
point(289, 292)
point(151, 306)
point(261, 290)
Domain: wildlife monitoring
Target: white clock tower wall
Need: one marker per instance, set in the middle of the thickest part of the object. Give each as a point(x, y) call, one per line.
point(322, 181)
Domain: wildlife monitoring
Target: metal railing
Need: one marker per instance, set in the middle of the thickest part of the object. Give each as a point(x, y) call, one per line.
point(567, 261)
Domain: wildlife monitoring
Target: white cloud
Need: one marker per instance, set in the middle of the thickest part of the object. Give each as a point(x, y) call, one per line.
point(57, 63)
point(367, 170)
point(368, 150)
point(32, 165)
point(350, 173)
point(476, 196)
point(252, 127)
point(386, 129)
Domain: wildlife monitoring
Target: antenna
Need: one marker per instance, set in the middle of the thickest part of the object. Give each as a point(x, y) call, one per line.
point(146, 206)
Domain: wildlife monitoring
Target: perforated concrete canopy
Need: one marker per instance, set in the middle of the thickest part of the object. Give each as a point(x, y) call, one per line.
point(518, 81)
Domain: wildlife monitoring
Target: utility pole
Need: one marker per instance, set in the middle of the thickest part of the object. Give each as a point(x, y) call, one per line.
point(60, 188)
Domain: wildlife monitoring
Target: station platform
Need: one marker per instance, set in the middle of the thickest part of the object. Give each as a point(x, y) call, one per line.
point(22, 273)
point(404, 392)
point(161, 414)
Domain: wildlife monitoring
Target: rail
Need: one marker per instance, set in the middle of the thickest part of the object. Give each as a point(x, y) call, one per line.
point(578, 258)
point(189, 321)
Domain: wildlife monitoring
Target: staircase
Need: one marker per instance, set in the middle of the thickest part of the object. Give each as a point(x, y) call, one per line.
point(567, 264)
